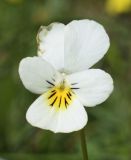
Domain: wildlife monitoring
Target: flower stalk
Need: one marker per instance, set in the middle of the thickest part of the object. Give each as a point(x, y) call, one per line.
point(83, 144)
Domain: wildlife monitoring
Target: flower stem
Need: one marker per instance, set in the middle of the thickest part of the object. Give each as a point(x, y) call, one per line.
point(83, 144)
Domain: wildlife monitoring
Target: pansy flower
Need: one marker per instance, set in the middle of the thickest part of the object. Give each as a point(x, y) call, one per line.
point(61, 75)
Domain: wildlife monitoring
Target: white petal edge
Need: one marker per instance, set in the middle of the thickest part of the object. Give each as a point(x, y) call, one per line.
point(51, 44)
point(95, 86)
point(85, 43)
point(46, 117)
point(35, 72)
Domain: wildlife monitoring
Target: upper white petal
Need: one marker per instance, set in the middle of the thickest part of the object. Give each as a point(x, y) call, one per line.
point(85, 43)
point(94, 85)
point(35, 72)
point(51, 44)
point(43, 116)
point(74, 47)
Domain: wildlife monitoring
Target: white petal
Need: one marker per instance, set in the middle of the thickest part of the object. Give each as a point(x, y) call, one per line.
point(35, 74)
point(85, 43)
point(46, 117)
point(94, 85)
point(51, 44)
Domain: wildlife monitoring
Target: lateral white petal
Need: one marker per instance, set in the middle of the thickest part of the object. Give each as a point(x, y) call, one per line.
point(85, 43)
point(35, 74)
point(51, 44)
point(46, 117)
point(95, 86)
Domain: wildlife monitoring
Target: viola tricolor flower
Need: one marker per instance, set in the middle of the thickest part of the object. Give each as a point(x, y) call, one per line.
point(61, 75)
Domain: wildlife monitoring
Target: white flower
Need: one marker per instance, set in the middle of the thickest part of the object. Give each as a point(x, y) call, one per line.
point(62, 76)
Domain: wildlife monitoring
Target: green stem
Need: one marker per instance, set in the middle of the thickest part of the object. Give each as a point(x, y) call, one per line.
point(83, 144)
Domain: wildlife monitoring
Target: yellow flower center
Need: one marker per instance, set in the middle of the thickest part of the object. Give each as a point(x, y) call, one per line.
point(60, 96)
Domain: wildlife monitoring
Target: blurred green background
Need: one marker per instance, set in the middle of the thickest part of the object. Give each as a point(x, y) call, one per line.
point(109, 128)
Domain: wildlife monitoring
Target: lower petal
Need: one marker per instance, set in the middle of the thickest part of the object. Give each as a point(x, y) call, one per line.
point(44, 116)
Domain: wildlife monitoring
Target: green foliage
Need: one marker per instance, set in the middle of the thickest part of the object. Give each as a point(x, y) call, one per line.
point(108, 129)
point(41, 157)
